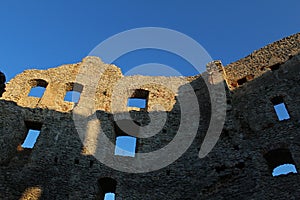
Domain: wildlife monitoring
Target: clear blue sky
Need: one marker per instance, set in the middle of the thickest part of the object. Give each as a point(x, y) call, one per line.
point(43, 34)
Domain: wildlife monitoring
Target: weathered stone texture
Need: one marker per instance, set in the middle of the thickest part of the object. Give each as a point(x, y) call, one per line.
point(61, 166)
point(262, 60)
point(112, 89)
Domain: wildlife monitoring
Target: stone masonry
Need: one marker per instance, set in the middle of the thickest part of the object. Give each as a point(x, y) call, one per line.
point(63, 165)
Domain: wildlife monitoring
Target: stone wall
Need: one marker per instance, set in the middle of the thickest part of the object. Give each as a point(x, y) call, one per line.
point(62, 164)
point(101, 84)
point(261, 61)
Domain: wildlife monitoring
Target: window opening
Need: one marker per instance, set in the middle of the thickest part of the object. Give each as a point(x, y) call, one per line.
point(280, 162)
point(280, 108)
point(73, 92)
point(38, 88)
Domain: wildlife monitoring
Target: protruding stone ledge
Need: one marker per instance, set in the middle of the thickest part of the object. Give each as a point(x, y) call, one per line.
point(2, 83)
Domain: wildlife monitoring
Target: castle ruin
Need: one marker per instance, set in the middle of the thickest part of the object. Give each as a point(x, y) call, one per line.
point(254, 140)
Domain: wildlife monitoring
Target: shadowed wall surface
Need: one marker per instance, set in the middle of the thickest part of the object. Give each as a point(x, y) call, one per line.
point(60, 166)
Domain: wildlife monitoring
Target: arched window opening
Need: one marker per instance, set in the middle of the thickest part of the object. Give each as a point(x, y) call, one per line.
point(73, 92)
point(109, 196)
point(284, 169)
point(38, 88)
point(107, 189)
point(280, 162)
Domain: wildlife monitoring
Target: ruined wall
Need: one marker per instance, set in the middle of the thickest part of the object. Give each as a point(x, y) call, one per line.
point(110, 84)
point(261, 61)
point(61, 166)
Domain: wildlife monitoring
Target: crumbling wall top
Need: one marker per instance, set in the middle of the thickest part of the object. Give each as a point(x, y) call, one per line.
point(262, 60)
point(102, 86)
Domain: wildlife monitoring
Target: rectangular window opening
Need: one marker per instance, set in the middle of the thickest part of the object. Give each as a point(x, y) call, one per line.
point(125, 140)
point(274, 67)
point(242, 81)
point(37, 92)
point(73, 92)
point(280, 108)
point(34, 130)
point(136, 102)
point(125, 146)
point(30, 139)
point(138, 99)
point(72, 96)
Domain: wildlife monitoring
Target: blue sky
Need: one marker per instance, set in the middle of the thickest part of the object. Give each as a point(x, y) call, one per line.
point(43, 34)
